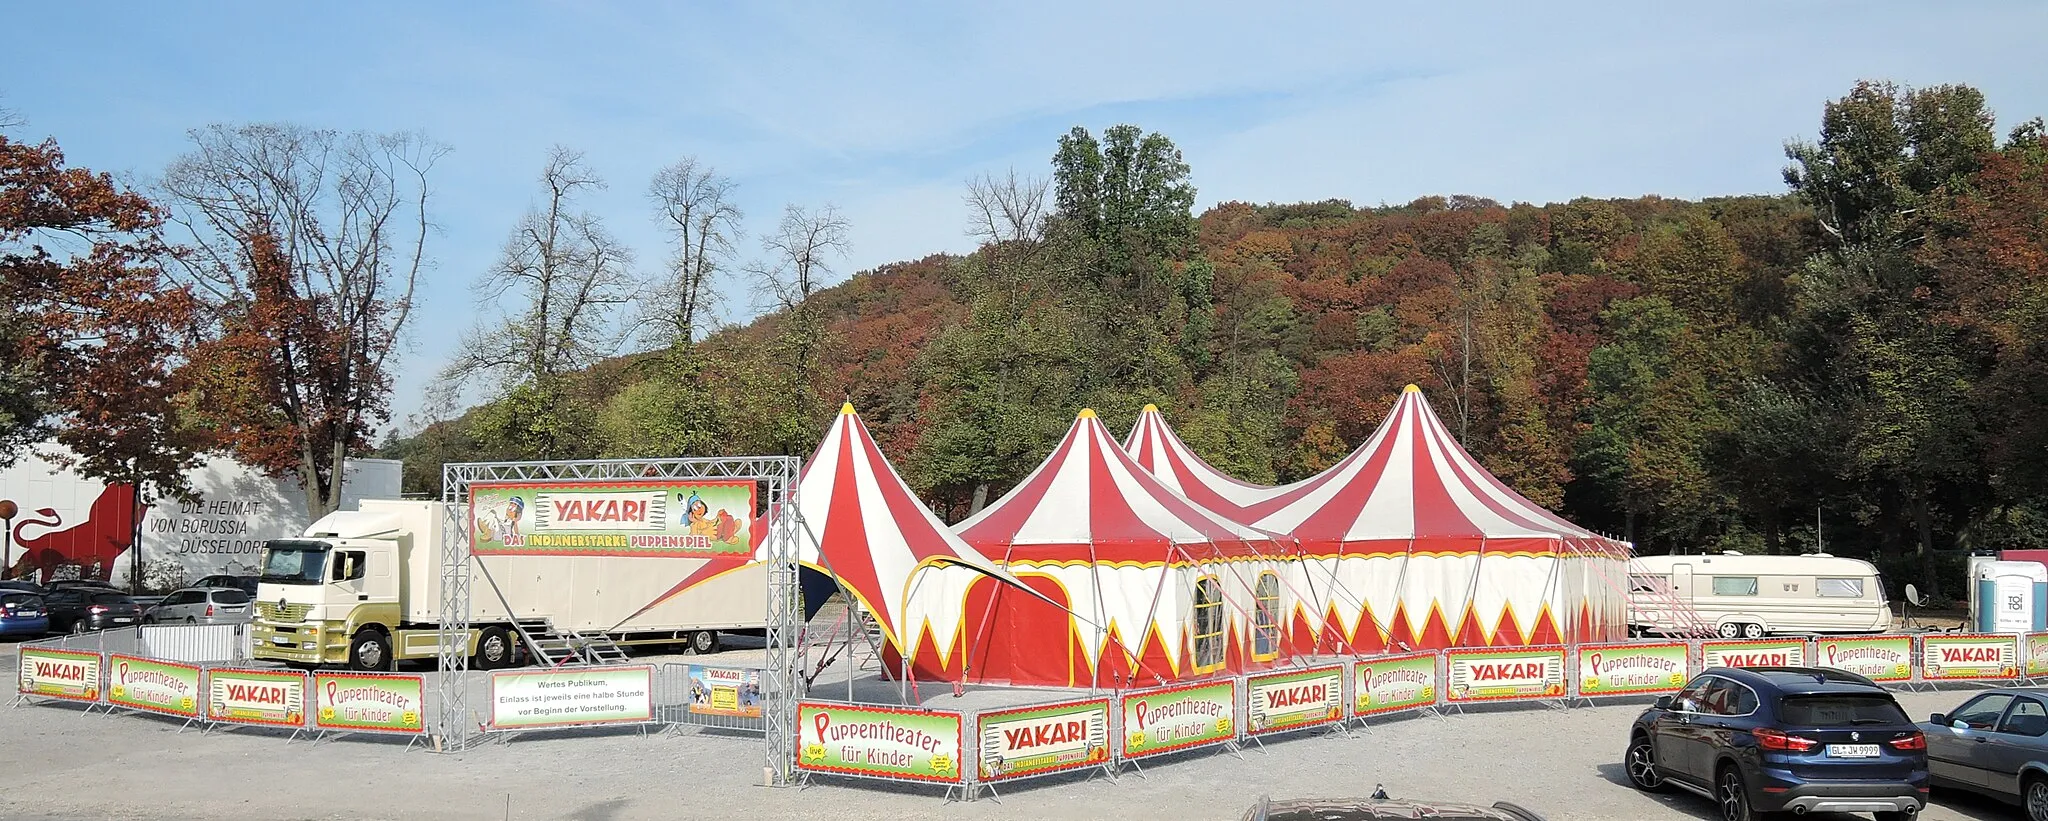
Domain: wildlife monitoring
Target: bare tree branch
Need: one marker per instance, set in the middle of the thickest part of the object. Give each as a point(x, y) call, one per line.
point(694, 204)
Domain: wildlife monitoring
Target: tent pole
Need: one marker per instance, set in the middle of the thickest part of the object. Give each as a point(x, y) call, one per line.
point(1101, 631)
point(1400, 593)
point(1472, 594)
point(1152, 615)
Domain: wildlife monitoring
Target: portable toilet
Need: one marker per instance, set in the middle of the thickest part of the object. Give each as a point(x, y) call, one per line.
point(2012, 597)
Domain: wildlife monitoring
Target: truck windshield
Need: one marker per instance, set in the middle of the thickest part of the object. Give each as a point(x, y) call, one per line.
point(293, 562)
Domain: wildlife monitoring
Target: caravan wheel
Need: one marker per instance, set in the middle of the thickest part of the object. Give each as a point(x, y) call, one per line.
point(1752, 631)
point(1731, 630)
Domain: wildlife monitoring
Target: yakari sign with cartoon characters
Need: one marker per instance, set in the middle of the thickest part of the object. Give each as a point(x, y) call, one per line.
point(1030, 740)
point(878, 741)
point(653, 518)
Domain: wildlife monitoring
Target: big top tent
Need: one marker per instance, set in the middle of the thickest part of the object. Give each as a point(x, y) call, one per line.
point(1159, 588)
point(1428, 550)
point(1154, 446)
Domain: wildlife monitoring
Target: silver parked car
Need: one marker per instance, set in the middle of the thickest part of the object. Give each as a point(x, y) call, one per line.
point(1995, 744)
point(201, 605)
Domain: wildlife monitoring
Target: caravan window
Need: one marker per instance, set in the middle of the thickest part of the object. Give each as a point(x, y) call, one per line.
point(1839, 588)
point(1641, 583)
point(1266, 638)
point(1734, 585)
point(1208, 625)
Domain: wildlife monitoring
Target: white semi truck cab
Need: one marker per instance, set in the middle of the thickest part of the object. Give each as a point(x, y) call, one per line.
point(361, 588)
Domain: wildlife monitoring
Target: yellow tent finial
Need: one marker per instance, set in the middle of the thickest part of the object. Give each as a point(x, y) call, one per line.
point(846, 409)
point(1087, 413)
point(1411, 389)
point(1151, 408)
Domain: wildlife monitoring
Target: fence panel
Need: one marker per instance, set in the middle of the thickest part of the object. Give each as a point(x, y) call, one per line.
point(1504, 674)
point(153, 686)
point(571, 697)
point(1969, 656)
point(2034, 659)
point(1038, 739)
point(1878, 658)
point(60, 673)
point(1294, 699)
point(889, 743)
point(1753, 653)
point(1391, 684)
point(1632, 668)
point(1183, 717)
point(701, 695)
point(266, 698)
point(369, 703)
point(194, 643)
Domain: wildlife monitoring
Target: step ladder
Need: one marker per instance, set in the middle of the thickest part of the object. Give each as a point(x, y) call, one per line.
point(552, 647)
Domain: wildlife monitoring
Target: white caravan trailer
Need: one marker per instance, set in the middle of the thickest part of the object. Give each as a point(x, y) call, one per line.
point(1754, 596)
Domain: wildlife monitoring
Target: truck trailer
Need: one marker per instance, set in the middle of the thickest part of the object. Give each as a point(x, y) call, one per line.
point(362, 589)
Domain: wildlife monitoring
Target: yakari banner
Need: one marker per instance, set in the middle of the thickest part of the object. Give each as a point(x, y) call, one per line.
point(525, 700)
point(657, 518)
point(1758, 653)
point(2037, 654)
point(884, 742)
point(1394, 683)
point(1621, 669)
point(725, 691)
point(387, 704)
point(1032, 740)
point(67, 674)
point(1878, 658)
point(153, 686)
point(1503, 675)
point(1288, 701)
point(1970, 657)
point(1176, 718)
point(264, 697)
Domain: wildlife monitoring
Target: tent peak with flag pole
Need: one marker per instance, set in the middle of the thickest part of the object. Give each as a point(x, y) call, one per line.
point(847, 410)
point(1086, 413)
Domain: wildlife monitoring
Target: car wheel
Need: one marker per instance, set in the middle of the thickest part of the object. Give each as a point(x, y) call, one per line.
point(370, 651)
point(2035, 793)
point(191, 620)
point(704, 642)
point(1733, 796)
point(1731, 630)
point(1641, 763)
point(1752, 631)
point(78, 627)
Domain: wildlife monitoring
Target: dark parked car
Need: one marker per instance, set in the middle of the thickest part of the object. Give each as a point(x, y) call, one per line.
point(1767, 739)
point(77, 610)
point(1376, 809)
point(20, 586)
point(1995, 744)
point(22, 614)
point(80, 584)
point(246, 584)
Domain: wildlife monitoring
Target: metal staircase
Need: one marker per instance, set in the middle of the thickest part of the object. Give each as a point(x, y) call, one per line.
point(555, 648)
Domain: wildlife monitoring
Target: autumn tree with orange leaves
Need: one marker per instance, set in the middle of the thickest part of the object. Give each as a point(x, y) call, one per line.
point(94, 332)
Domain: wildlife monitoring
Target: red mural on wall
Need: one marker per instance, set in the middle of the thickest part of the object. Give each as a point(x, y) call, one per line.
point(91, 545)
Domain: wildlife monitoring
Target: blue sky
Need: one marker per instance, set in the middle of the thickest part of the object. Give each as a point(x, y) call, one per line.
point(886, 109)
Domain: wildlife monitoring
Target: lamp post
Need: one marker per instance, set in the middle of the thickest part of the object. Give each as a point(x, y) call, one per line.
point(8, 509)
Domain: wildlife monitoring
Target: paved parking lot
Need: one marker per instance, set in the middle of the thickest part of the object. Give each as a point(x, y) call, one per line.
point(56, 763)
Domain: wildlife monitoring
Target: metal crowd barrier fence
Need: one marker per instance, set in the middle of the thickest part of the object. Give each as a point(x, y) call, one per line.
point(202, 674)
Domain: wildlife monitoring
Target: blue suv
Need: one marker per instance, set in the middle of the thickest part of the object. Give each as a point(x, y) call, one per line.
point(1804, 739)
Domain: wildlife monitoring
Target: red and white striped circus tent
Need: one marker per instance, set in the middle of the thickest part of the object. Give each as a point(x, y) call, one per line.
point(1421, 547)
point(1155, 446)
point(863, 525)
point(1156, 588)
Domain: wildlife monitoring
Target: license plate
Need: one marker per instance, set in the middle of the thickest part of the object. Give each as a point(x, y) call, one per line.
point(122, 619)
point(280, 641)
point(1852, 750)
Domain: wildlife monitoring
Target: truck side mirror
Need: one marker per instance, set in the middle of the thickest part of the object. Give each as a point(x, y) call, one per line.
point(1663, 702)
point(357, 563)
point(340, 571)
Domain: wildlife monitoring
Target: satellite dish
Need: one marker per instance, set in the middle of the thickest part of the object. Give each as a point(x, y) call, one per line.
point(1913, 595)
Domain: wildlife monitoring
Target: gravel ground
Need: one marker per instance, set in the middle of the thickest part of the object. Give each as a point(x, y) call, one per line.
point(58, 764)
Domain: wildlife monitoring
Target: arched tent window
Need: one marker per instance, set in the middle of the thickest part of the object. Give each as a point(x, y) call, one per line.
point(1266, 605)
point(1209, 624)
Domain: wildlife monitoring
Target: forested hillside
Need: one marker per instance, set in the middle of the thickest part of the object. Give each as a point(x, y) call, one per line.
point(1867, 350)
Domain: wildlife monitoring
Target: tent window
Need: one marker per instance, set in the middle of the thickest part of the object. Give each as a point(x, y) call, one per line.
point(1735, 585)
point(1266, 638)
point(1208, 624)
point(1840, 588)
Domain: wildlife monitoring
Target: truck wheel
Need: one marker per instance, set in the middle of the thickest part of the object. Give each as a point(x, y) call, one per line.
point(369, 651)
point(704, 642)
point(493, 649)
